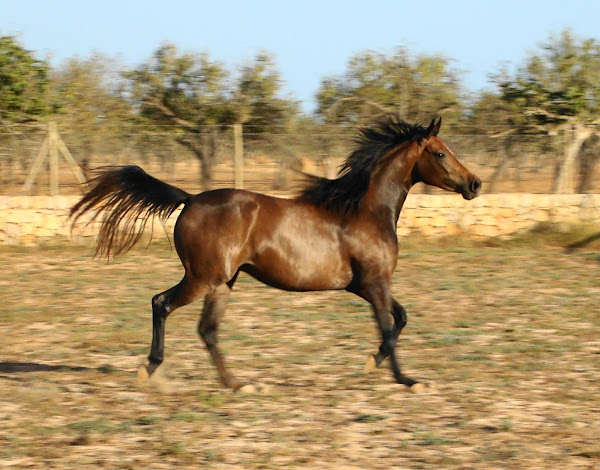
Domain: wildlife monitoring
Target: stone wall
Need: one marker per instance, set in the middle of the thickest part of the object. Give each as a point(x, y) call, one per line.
point(36, 219)
point(494, 215)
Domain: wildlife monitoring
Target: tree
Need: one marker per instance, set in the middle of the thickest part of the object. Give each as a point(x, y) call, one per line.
point(193, 97)
point(23, 83)
point(257, 99)
point(557, 91)
point(88, 101)
point(266, 115)
point(375, 85)
point(499, 129)
point(185, 94)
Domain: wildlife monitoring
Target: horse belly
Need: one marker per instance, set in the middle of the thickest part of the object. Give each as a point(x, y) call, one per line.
point(302, 263)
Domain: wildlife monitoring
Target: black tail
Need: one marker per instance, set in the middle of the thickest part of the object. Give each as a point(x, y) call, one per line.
point(127, 197)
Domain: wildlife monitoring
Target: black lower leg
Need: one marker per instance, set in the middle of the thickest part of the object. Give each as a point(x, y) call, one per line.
point(386, 349)
point(400, 318)
point(164, 304)
point(391, 318)
point(159, 316)
point(388, 344)
point(398, 375)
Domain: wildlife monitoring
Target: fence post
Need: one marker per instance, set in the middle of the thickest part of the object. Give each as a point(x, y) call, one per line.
point(51, 147)
point(36, 166)
point(238, 156)
point(53, 157)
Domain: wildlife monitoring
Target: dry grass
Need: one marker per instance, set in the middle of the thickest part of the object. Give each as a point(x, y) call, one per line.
point(507, 332)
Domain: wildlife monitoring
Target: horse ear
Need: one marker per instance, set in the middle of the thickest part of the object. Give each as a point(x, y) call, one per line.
point(436, 127)
point(430, 128)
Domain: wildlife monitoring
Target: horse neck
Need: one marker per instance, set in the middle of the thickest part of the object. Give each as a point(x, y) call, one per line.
point(391, 181)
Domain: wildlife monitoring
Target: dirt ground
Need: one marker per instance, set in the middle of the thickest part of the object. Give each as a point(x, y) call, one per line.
point(506, 332)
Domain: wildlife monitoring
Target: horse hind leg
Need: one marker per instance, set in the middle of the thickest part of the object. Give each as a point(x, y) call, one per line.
point(215, 304)
point(164, 304)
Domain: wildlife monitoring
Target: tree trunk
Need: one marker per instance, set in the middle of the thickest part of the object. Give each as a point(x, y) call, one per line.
point(508, 156)
point(587, 163)
point(496, 175)
point(574, 139)
point(206, 171)
point(205, 153)
point(209, 145)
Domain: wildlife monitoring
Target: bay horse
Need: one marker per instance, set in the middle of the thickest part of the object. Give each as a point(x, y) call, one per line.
point(336, 234)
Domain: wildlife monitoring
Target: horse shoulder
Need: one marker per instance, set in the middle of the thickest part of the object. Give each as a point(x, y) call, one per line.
point(373, 246)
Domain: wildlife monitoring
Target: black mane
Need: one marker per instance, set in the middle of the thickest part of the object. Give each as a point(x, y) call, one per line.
point(346, 192)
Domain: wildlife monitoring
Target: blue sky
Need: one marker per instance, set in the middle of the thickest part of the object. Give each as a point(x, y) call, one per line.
point(310, 39)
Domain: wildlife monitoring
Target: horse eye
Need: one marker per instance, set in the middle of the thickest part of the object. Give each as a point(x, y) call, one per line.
point(440, 155)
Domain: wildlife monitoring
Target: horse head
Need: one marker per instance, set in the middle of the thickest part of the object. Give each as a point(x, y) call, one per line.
point(437, 165)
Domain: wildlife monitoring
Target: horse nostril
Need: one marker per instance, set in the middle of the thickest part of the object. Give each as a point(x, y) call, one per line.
point(475, 185)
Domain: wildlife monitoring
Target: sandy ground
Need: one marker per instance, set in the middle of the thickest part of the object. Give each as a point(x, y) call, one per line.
point(507, 334)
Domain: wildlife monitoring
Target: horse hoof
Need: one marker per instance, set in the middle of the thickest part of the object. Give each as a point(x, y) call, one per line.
point(156, 380)
point(418, 388)
point(247, 389)
point(371, 364)
point(250, 389)
point(142, 374)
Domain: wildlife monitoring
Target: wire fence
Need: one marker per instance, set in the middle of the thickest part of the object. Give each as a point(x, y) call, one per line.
point(273, 161)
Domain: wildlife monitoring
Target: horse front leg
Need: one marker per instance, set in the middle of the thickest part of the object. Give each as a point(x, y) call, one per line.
point(391, 318)
point(400, 319)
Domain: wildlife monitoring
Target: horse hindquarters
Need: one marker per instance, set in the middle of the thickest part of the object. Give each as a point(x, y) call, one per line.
point(207, 239)
point(212, 235)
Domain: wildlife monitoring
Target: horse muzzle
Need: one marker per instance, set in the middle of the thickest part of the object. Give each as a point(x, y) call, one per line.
point(472, 188)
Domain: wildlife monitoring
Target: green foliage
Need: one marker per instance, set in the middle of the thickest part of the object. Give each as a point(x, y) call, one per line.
point(191, 90)
point(88, 101)
point(192, 97)
point(556, 84)
point(555, 93)
point(257, 98)
point(23, 83)
point(182, 88)
point(375, 84)
point(181, 93)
